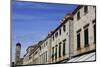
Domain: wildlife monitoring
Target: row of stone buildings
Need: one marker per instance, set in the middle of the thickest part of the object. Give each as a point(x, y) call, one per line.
point(75, 36)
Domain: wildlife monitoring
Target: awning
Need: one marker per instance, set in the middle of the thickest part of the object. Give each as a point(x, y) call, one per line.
point(86, 57)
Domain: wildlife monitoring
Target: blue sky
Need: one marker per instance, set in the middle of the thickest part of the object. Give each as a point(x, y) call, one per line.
point(32, 21)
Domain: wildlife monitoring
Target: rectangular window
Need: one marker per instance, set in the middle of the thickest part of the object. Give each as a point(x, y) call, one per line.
point(52, 53)
point(95, 33)
point(55, 52)
point(78, 15)
point(64, 28)
point(53, 37)
point(59, 31)
point(78, 41)
point(42, 59)
point(46, 56)
point(29, 57)
point(64, 47)
point(85, 9)
point(40, 47)
point(60, 49)
point(86, 38)
point(56, 34)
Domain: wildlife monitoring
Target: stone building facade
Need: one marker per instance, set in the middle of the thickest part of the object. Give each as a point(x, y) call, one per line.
point(45, 52)
point(84, 25)
point(61, 40)
point(76, 35)
point(28, 57)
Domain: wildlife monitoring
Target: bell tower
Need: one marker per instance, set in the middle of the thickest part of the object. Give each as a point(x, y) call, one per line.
point(17, 54)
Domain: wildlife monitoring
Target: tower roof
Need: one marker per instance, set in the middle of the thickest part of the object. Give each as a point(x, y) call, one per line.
point(18, 44)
